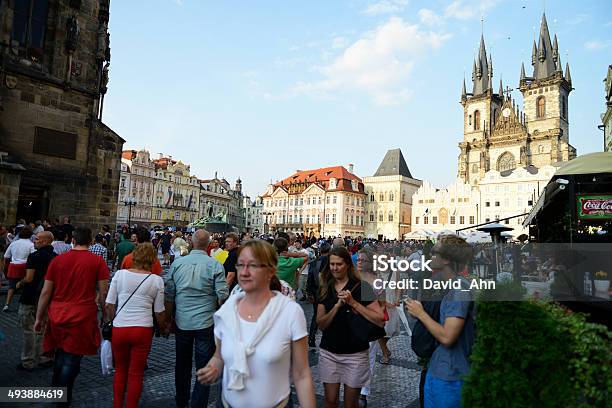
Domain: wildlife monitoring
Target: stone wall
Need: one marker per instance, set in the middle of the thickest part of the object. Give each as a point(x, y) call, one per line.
point(9, 191)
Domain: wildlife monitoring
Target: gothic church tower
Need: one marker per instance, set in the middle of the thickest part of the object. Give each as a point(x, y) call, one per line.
point(545, 101)
point(480, 107)
point(497, 135)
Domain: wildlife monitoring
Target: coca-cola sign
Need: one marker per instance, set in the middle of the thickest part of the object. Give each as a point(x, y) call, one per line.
point(595, 206)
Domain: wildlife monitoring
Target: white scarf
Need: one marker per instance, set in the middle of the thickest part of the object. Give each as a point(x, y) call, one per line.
point(228, 313)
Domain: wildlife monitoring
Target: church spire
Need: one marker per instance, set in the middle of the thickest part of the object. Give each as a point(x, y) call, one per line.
point(534, 54)
point(481, 69)
point(544, 58)
point(558, 63)
point(522, 71)
point(555, 49)
point(568, 77)
point(501, 88)
point(463, 92)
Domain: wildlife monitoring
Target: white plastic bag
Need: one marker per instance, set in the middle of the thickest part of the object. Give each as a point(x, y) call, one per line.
point(106, 357)
point(392, 326)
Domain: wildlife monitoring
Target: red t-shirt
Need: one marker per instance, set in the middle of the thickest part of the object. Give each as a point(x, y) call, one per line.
point(129, 259)
point(73, 318)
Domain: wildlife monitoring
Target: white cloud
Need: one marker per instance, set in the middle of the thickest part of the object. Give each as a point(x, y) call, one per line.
point(467, 9)
point(386, 7)
point(429, 17)
point(339, 42)
point(596, 45)
point(379, 63)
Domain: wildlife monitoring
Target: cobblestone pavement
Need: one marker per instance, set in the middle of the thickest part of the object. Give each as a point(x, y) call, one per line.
point(393, 385)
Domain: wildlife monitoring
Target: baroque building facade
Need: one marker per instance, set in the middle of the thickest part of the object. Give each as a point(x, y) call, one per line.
point(253, 210)
point(329, 201)
point(177, 193)
point(389, 192)
point(217, 198)
point(451, 208)
point(138, 175)
point(58, 157)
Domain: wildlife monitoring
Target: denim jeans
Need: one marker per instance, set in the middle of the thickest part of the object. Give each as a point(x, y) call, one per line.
point(65, 371)
point(441, 393)
point(204, 341)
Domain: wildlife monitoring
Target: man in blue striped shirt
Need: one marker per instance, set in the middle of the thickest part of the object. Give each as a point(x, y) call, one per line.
point(195, 287)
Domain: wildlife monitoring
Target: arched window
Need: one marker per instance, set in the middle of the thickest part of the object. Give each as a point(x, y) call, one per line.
point(390, 216)
point(371, 216)
point(391, 197)
point(540, 107)
point(476, 120)
point(474, 168)
point(506, 162)
point(372, 197)
point(380, 216)
point(382, 197)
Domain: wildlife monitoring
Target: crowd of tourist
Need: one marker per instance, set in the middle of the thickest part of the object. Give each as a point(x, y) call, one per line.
point(231, 303)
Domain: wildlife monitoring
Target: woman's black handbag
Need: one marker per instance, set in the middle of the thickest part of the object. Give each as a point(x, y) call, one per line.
point(363, 329)
point(107, 328)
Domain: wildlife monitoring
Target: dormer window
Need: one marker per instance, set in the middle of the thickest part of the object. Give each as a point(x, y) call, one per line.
point(332, 183)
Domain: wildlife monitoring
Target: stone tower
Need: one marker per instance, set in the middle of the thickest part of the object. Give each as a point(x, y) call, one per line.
point(545, 101)
point(480, 107)
point(55, 71)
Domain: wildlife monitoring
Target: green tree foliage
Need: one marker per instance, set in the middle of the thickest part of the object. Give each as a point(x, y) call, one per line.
point(534, 354)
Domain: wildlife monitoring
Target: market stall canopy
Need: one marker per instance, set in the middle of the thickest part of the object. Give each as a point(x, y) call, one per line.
point(592, 163)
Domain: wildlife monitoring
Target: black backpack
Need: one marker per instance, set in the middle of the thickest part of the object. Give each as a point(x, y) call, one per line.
point(422, 342)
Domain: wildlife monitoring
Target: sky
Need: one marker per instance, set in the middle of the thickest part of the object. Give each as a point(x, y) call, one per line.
point(259, 89)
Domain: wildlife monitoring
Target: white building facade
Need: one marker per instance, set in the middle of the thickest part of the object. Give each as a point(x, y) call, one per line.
point(451, 208)
point(137, 183)
point(253, 216)
point(389, 198)
point(328, 201)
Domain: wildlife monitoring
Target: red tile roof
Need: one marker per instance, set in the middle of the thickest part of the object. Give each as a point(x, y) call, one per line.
point(128, 154)
point(321, 177)
point(163, 162)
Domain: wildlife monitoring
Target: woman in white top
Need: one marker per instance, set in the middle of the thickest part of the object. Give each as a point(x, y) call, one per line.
point(261, 339)
point(180, 246)
point(133, 323)
point(16, 257)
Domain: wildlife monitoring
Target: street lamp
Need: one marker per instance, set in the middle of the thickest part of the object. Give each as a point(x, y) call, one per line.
point(130, 202)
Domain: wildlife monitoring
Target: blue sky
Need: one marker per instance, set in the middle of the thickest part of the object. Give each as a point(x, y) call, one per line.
point(258, 89)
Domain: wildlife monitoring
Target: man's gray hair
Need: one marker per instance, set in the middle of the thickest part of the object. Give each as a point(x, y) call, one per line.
point(338, 242)
point(200, 239)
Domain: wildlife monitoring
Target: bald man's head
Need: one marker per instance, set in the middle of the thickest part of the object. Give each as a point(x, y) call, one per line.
point(44, 238)
point(200, 239)
point(338, 242)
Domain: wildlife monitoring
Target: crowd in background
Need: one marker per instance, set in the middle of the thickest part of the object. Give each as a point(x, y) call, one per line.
point(231, 302)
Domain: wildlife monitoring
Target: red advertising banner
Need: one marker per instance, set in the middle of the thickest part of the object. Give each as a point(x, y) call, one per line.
point(595, 206)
